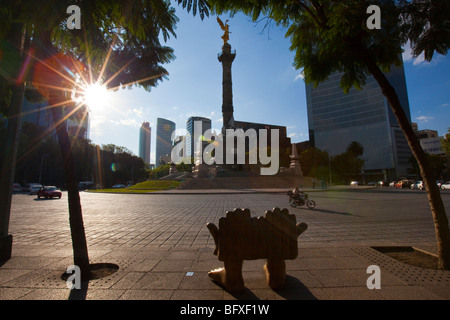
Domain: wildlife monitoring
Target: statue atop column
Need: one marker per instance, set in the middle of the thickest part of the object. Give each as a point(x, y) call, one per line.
point(226, 57)
point(226, 28)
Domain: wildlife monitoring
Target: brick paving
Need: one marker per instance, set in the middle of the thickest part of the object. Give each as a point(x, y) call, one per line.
point(157, 239)
point(115, 220)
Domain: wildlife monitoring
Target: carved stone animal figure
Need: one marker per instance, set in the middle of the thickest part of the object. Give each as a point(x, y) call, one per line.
point(240, 237)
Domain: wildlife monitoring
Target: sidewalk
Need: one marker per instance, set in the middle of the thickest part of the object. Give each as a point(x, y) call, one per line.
point(323, 270)
point(318, 273)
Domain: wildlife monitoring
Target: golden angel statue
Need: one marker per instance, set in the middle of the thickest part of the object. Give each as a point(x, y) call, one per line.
point(225, 27)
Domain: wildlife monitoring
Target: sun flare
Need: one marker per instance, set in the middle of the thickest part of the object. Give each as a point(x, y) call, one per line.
point(96, 97)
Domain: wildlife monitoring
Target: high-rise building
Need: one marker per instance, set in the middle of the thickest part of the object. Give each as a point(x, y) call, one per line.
point(336, 119)
point(40, 114)
point(190, 138)
point(144, 142)
point(78, 127)
point(164, 130)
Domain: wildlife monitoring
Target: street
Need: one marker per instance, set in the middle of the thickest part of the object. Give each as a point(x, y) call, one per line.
point(354, 217)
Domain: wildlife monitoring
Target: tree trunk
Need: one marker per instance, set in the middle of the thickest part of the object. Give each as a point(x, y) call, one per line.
point(434, 197)
point(8, 165)
point(80, 251)
point(55, 97)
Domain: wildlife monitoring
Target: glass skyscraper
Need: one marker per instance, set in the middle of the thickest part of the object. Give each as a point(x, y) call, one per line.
point(145, 142)
point(40, 114)
point(336, 119)
point(190, 138)
point(164, 130)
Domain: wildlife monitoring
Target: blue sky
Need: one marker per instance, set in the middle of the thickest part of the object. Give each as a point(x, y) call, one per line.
point(266, 87)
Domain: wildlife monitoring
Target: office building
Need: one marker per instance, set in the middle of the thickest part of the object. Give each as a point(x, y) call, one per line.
point(284, 141)
point(426, 133)
point(190, 138)
point(145, 142)
point(336, 119)
point(164, 130)
point(433, 145)
point(78, 127)
point(40, 115)
point(37, 113)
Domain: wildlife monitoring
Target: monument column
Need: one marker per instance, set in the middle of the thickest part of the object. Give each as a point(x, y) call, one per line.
point(226, 57)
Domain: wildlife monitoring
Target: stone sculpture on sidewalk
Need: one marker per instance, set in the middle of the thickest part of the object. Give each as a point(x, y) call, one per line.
point(240, 237)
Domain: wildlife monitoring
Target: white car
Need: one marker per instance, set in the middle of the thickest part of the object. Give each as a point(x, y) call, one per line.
point(34, 188)
point(418, 185)
point(16, 187)
point(445, 185)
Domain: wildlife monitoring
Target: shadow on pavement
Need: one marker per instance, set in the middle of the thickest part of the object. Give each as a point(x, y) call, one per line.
point(79, 294)
point(294, 289)
point(246, 294)
point(324, 211)
point(333, 212)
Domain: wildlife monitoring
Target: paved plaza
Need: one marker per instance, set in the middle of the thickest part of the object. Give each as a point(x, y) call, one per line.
point(164, 250)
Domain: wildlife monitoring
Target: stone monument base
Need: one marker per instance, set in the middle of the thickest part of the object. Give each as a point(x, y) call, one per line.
point(203, 171)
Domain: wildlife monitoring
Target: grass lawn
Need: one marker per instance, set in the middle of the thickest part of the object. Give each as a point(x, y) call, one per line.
point(144, 187)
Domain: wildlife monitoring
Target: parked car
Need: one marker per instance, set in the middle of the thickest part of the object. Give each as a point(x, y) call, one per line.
point(445, 185)
point(34, 188)
point(83, 185)
point(382, 183)
point(118, 186)
point(16, 187)
point(392, 183)
point(49, 192)
point(355, 183)
point(418, 185)
point(27, 187)
point(403, 184)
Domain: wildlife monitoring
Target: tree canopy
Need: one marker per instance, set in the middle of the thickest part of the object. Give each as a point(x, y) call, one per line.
point(117, 44)
point(332, 36)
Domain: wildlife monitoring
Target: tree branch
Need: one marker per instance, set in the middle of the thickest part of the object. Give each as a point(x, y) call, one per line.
point(320, 18)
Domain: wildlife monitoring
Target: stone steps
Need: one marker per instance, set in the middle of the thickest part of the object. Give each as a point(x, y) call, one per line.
point(258, 182)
